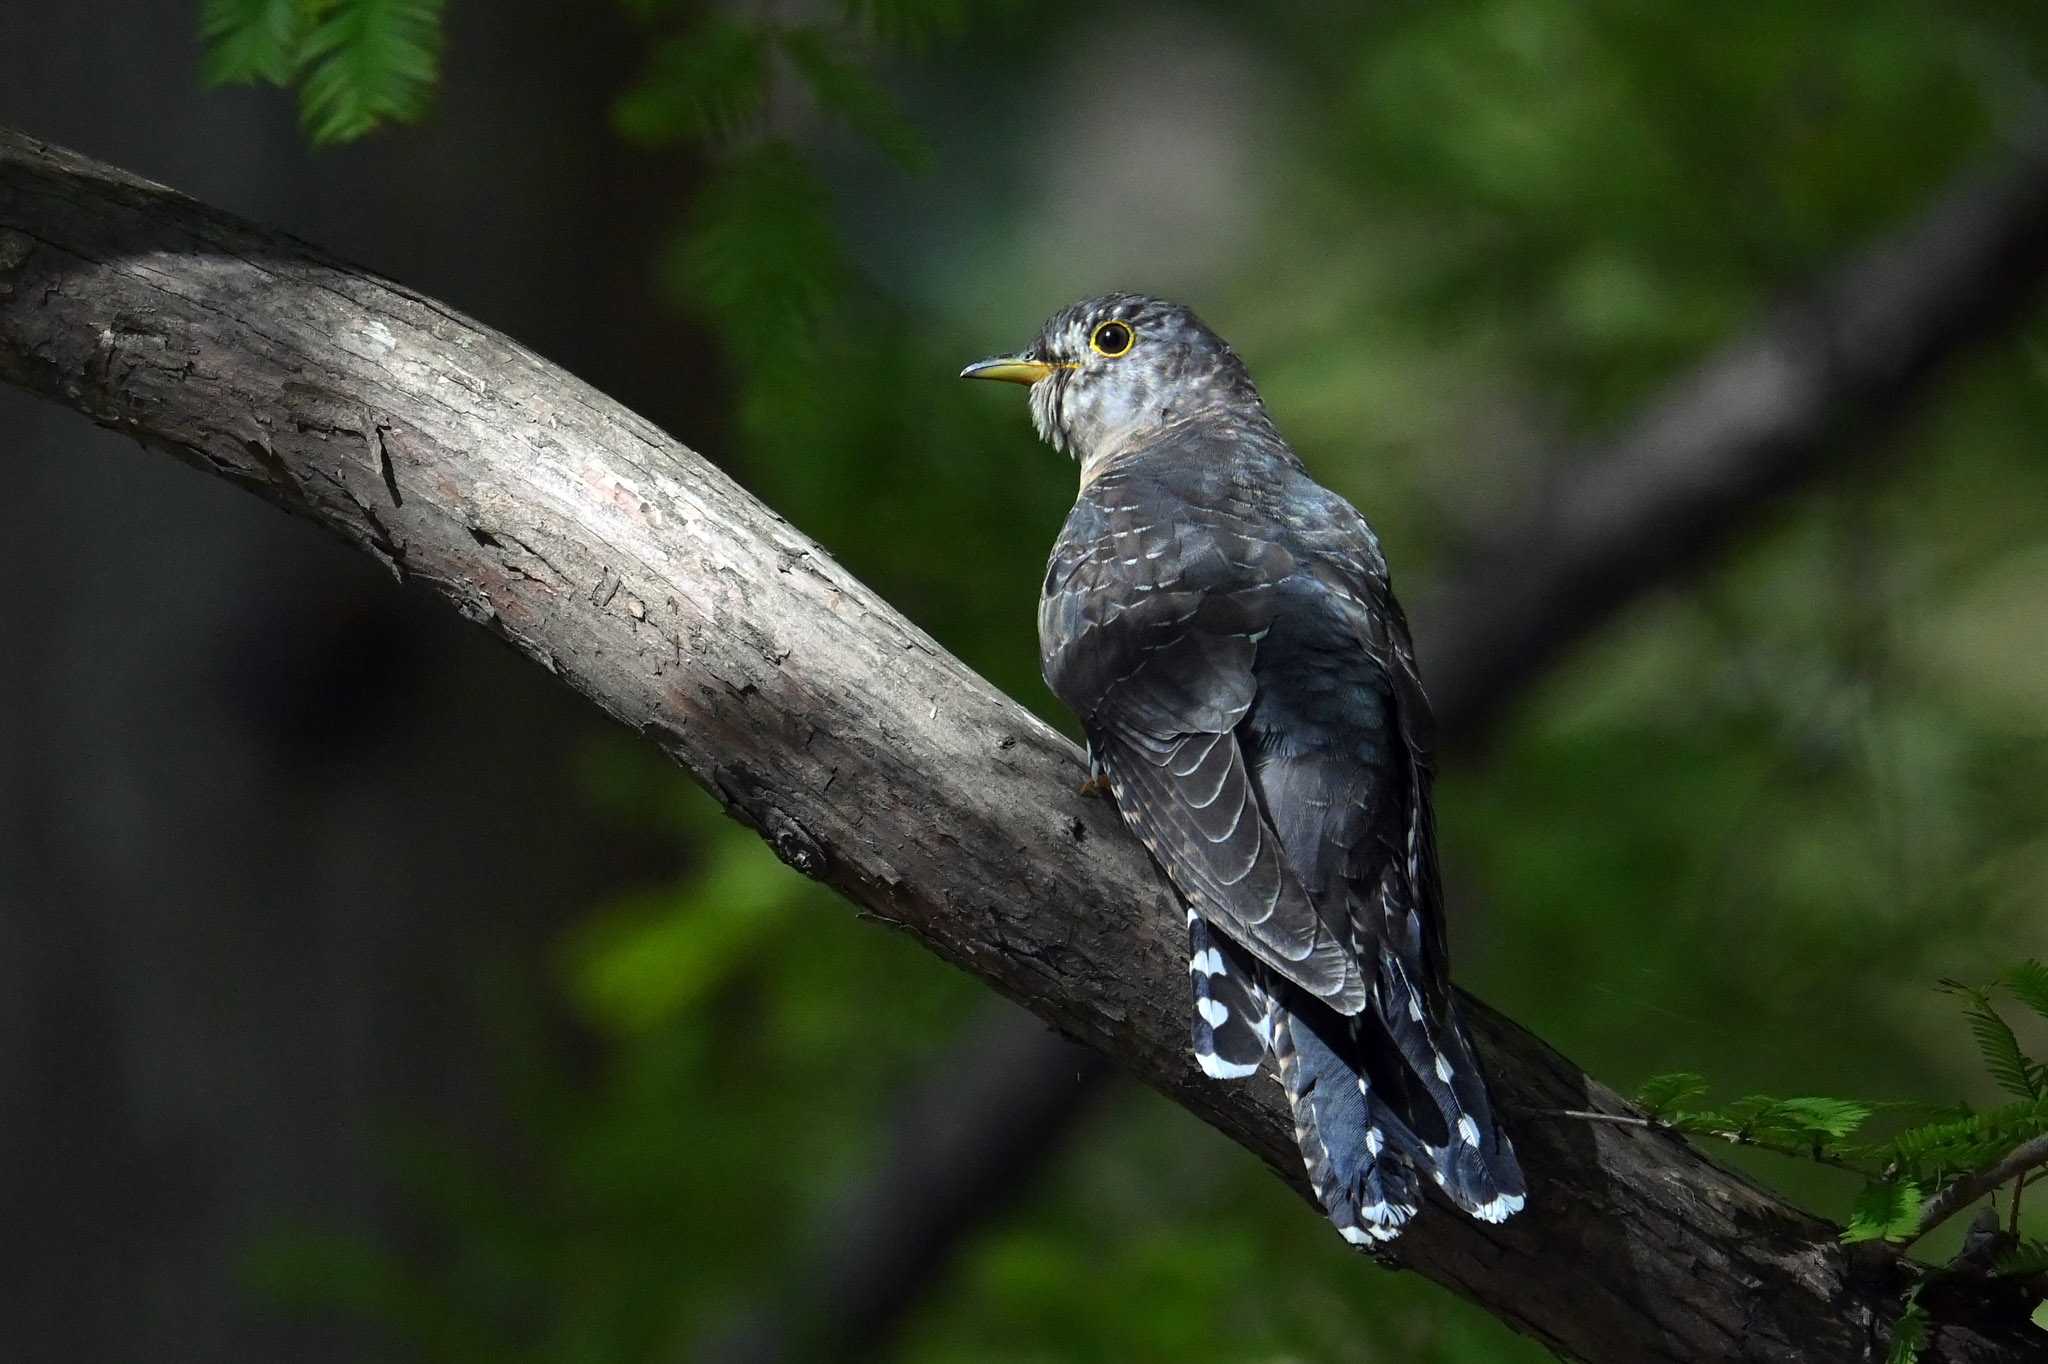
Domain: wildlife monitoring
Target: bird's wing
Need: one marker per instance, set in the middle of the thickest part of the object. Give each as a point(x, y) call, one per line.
point(1150, 627)
point(1432, 1100)
point(1411, 864)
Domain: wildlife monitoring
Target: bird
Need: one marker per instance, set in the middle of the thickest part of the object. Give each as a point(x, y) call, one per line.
point(1226, 631)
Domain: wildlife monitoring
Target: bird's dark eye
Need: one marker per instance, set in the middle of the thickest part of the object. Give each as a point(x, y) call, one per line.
point(1112, 339)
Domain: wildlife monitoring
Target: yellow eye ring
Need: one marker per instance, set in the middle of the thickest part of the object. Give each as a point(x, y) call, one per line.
point(1112, 338)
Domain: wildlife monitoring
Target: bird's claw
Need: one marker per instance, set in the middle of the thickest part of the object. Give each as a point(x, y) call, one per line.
point(1097, 785)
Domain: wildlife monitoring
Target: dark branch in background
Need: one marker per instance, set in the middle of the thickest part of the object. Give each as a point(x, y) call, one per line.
point(960, 1151)
point(867, 757)
point(1759, 418)
point(1764, 415)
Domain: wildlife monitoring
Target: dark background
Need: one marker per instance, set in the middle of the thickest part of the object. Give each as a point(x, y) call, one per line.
point(362, 994)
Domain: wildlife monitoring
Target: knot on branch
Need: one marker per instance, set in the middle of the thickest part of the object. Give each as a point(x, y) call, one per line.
point(792, 843)
point(14, 250)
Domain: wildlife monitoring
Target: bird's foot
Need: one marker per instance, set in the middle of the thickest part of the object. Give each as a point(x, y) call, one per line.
point(1096, 785)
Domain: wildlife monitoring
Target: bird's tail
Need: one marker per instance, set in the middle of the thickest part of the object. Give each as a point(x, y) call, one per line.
point(1420, 1064)
point(1364, 1180)
point(1234, 1011)
point(1376, 1097)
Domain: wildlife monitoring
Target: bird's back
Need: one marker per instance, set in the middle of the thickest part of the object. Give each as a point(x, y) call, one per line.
point(1225, 628)
point(1217, 537)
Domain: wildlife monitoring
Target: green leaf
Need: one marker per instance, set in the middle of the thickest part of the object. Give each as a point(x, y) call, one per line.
point(760, 257)
point(1814, 1117)
point(2027, 1258)
point(707, 83)
point(913, 24)
point(1706, 1122)
point(653, 957)
point(1661, 1093)
point(1996, 1043)
point(1884, 1210)
point(2029, 982)
point(1909, 1335)
point(1964, 1141)
point(841, 87)
point(254, 40)
point(369, 62)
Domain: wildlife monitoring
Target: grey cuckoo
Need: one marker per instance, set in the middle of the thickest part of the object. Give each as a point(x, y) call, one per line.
point(1224, 627)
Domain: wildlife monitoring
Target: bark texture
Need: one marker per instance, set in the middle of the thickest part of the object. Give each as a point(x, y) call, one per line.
point(864, 754)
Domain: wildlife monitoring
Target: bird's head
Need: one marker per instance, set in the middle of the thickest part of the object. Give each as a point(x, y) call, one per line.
point(1109, 371)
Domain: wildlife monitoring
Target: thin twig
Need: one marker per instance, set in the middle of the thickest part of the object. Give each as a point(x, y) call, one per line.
point(1813, 1151)
point(1627, 1119)
point(1967, 1189)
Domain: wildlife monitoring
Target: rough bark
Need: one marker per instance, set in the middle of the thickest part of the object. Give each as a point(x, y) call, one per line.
point(862, 752)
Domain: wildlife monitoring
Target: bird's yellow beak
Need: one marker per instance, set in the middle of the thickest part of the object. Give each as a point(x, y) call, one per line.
point(1010, 369)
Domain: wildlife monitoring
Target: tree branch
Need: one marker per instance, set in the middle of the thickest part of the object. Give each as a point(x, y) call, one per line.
point(1964, 1190)
point(866, 756)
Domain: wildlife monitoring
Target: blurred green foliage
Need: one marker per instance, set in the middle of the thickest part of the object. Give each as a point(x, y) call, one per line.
point(357, 64)
point(1736, 834)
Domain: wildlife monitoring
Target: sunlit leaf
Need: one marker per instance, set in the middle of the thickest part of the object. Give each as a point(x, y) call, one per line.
point(1661, 1093)
point(1884, 1210)
point(1814, 1117)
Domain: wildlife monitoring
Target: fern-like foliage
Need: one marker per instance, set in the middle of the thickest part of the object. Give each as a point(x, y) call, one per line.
point(2029, 984)
point(1885, 1210)
point(1932, 1144)
point(1997, 1044)
point(760, 257)
point(709, 82)
point(253, 40)
point(2025, 1260)
point(843, 88)
point(1962, 1140)
point(1909, 1332)
point(913, 24)
point(1662, 1095)
point(1811, 1119)
point(357, 63)
point(369, 62)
